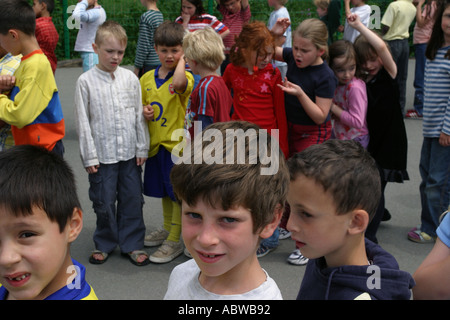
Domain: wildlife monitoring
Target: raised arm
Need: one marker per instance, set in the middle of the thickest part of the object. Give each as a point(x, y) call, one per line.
point(278, 30)
point(376, 42)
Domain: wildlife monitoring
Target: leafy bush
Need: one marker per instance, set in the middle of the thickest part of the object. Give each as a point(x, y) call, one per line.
point(128, 12)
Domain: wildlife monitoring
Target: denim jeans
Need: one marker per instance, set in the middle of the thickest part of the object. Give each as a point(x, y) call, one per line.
point(400, 53)
point(434, 188)
point(419, 76)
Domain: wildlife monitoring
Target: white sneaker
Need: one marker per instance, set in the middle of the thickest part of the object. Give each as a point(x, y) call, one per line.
point(168, 251)
point(296, 258)
point(284, 234)
point(156, 238)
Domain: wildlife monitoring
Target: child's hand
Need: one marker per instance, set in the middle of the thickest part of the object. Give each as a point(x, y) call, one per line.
point(140, 161)
point(148, 112)
point(291, 88)
point(7, 82)
point(185, 16)
point(444, 140)
point(353, 20)
point(279, 28)
point(92, 169)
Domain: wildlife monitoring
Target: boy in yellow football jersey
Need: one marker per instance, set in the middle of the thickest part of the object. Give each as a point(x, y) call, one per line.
point(165, 95)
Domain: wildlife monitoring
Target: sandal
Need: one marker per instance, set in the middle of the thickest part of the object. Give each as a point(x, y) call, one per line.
point(133, 256)
point(97, 261)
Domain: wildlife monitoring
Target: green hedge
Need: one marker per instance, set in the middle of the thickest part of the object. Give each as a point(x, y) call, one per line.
point(128, 12)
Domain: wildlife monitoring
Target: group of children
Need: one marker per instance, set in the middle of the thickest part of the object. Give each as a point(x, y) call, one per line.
point(124, 122)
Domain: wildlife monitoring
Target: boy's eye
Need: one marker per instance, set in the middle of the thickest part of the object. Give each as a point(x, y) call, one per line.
point(228, 220)
point(193, 215)
point(26, 234)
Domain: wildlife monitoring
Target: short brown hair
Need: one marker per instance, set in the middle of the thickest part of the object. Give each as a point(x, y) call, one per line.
point(169, 34)
point(230, 185)
point(344, 169)
point(342, 48)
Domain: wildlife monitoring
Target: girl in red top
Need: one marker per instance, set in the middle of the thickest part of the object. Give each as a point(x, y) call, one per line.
point(254, 80)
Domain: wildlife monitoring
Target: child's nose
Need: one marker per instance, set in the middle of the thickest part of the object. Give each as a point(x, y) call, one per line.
point(9, 256)
point(207, 236)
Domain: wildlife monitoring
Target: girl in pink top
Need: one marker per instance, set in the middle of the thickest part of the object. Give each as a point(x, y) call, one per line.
point(349, 107)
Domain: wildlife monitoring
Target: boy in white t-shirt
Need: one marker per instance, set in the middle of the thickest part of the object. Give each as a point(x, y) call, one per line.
point(229, 203)
point(280, 11)
point(360, 8)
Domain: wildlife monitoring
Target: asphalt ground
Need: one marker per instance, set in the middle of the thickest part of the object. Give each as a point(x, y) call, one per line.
point(118, 279)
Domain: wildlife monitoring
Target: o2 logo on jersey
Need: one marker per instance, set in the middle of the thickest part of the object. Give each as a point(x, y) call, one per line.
point(161, 111)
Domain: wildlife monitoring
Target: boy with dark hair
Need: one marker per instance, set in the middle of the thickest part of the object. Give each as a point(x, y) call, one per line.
point(46, 34)
point(333, 194)
point(227, 208)
point(40, 216)
point(165, 96)
point(33, 109)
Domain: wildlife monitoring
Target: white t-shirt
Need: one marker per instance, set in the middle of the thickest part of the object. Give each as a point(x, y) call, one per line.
point(274, 16)
point(363, 12)
point(184, 285)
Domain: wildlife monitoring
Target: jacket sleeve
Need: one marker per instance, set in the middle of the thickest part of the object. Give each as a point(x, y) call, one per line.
point(86, 141)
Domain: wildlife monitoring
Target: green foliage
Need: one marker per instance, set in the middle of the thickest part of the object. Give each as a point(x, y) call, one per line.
point(128, 12)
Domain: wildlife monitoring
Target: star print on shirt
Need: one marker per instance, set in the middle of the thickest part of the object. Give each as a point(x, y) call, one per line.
point(267, 76)
point(264, 88)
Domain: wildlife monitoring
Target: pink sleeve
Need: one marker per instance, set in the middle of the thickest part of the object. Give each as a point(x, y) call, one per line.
point(355, 116)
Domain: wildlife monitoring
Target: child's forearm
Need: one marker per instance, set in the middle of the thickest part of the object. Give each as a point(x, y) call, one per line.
point(179, 80)
point(318, 112)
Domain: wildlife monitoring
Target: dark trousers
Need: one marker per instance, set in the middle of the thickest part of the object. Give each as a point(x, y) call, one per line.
point(400, 53)
point(122, 225)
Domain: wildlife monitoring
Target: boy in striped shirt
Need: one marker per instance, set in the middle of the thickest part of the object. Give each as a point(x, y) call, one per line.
point(146, 57)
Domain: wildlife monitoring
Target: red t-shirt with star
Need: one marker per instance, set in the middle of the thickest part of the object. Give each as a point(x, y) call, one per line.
point(258, 99)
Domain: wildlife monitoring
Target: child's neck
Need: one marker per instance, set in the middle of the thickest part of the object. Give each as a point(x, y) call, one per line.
point(353, 254)
point(241, 279)
point(151, 5)
point(29, 45)
point(163, 72)
point(446, 41)
point(277, 6)
point(44, 14)
point(206, 73)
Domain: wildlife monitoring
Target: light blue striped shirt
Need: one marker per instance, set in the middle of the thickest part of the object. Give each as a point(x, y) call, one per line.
point(436, 106)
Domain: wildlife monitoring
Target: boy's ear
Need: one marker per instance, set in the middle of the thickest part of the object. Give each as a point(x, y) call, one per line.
point(14, 33)
point(75, 224)
point(268, 230)
point(359, 221)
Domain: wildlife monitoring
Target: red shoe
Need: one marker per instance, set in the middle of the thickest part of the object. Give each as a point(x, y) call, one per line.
point(412, 114)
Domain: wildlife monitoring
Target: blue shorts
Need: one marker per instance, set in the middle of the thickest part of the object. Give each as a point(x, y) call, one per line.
point(90, 60)
point(157, 175)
